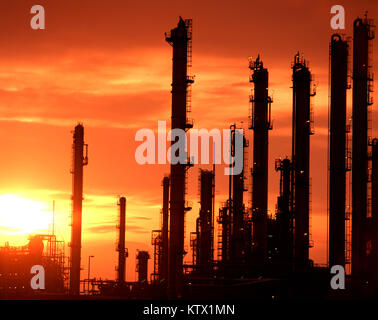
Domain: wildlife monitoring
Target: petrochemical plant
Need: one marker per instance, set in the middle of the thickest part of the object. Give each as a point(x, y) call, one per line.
point(253, 254)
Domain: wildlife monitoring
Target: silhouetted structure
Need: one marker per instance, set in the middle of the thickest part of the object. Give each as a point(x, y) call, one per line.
point(142, 265)
point(238, 244)
point(284, 215)
point(205, 222)
point(260, 123)
point(337, 149)
point(122, 251)
point(224, 233)
point(79, 160)
point(241, 271)
point(302, 129)
point(16, 263)
point(234, 237)
point(160, 239)
point(180, 39)
point(165, 224)
point(362, 34)
point(157, 242)
point(373, 223)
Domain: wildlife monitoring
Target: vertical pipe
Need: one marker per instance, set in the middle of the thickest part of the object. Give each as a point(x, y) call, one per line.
point(121, 243)
point(179, 39)
point(337, 154)
point(301, 158)
point(361, 39)
point(260, 125)
point(77, 197)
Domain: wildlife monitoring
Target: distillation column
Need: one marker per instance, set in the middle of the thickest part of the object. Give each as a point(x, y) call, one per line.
point(284, 215)
point(260, 124)
point(238, 245)
point(337, 145)
point(301, 158)
point(205, 241)
point(122, 252)
point(362, 34)
point(373, 230)
point(79, 160)
point(180, 39)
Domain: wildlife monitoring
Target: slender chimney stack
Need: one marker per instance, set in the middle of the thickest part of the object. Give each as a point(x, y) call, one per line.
point(79, 160)
point(122, 253)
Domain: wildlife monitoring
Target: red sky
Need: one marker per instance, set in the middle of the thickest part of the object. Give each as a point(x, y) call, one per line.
point(106, 64)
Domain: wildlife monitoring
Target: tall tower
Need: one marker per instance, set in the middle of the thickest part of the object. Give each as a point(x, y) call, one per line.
point(180, 39)
point(362, 35)
point(260, 116)
point(302, 129)
point(233, 242)
point(284, 214)
point(206, 227)
point(373, 224)
point(122, 252)
point(238, 244)
point(337, 153)
point(79, 160)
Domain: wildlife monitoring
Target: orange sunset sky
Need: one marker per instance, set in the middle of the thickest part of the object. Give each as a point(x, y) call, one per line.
point(106, 64)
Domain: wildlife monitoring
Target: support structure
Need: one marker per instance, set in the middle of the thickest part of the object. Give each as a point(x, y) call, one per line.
point(337, 149)
point(260, 123)
point(302, 129)
point(362, 35)
point(180, 39)
point(80, 159)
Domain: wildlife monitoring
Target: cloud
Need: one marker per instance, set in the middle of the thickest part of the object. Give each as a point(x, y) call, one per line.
point(111, 228)
point(141, 218)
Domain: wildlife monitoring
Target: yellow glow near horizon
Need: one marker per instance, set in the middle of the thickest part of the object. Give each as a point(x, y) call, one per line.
point(23, 216)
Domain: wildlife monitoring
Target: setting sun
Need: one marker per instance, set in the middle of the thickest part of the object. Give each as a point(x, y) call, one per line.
point(23, 216)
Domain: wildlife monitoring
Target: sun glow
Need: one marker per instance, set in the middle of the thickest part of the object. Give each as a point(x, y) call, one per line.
point(23, 216)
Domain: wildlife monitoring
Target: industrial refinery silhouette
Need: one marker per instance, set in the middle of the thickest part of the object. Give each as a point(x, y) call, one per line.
point(254, 254)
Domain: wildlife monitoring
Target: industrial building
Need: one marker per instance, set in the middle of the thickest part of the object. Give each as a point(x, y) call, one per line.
point(16, 263)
